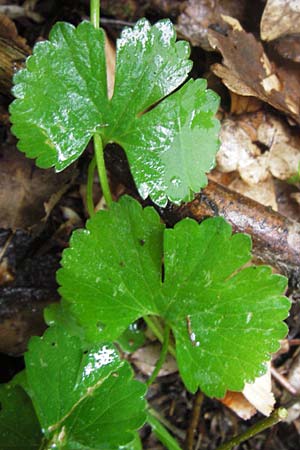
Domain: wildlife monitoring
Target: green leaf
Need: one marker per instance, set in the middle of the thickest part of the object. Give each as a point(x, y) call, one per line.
point(62, 102)
point(132, 338)
point(87, 397)
point(19, 426)
point(226, 319)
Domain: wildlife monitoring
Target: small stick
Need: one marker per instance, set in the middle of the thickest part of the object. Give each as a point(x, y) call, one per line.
point(193, 425)
point(283, 381)
point(278, 415)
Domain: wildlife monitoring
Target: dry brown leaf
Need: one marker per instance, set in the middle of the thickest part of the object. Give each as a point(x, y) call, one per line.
point(27, 191)
point(242, 139)
point(110, 54)
point(239, 404)
point(146, 357)
point(280, 17)
point(255, 397)
point(289, 47)
point(198, 15)
point(260, 394)
point(9, 32)
point(264, 192)
point(247, 70)
point(241, 105)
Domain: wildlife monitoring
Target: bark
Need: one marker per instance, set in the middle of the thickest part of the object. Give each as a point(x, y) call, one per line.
point(11, 59)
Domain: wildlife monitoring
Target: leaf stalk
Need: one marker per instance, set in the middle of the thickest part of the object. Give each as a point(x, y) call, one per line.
point(158, 331)
point(162, 356)
point(99, 154)
point(161, 432)
point(95, 13)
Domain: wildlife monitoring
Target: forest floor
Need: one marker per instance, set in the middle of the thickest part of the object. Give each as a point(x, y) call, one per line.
point(253, 62)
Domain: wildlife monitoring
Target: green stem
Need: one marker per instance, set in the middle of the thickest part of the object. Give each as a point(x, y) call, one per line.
point(95, 12)
point(278, 415)
point(158, 331)
point(89, 187)
point(162, 356)
point(161, 432)
point(98, 146)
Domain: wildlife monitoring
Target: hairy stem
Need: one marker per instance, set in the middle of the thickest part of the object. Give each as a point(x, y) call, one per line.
point(99, 153)
point(278, 415)
point(95, 12)
point(89, 187)
point(162, 356)
point(161, 432)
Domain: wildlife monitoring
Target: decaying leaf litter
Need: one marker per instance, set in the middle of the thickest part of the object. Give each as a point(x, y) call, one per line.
point(260, 117)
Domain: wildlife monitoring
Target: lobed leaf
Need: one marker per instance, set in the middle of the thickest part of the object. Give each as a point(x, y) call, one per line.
point(62, 102)
point(83, 397)
point(226, 319)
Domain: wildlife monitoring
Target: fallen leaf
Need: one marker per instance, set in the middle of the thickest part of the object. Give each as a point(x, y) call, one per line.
point(26, 192)
point(255, 397)
point(242, 139)
point(260, 394)
point(247, 71)
point(110, 55)
point(280, 17)
point(237, 402)
point(8, 31)
point(13, 51)
point(194, 21)
point(146, 357)
point(289, 47)
point(263, 192)
point(27, 286)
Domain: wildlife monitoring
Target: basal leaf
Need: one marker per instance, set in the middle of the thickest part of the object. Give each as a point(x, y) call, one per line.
point(226, 319)
point(19, 426)
point(62, 101)
point(132, 269)
point(61, 95)
point(80, 396)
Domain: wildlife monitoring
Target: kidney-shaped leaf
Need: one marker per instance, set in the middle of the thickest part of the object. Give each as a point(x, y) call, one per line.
point(62, 102)
point(81, 396)
point(226, 320)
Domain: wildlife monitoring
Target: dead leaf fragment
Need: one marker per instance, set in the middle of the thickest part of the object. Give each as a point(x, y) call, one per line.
point(280, 17)
point(255, 397)
point(146, 357)
point(263, 192)
point(247, 71)
point(26, 192)
point(260, 394)
point(198, 15)
point(13, 51)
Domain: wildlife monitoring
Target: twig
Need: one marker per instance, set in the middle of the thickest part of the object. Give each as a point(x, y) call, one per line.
point(278, 415)
point(193, 425)
point(283, 381)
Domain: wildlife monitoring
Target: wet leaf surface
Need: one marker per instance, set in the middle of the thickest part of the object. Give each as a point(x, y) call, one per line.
point(169, 148)
point(213, 306)
point(89, 406)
